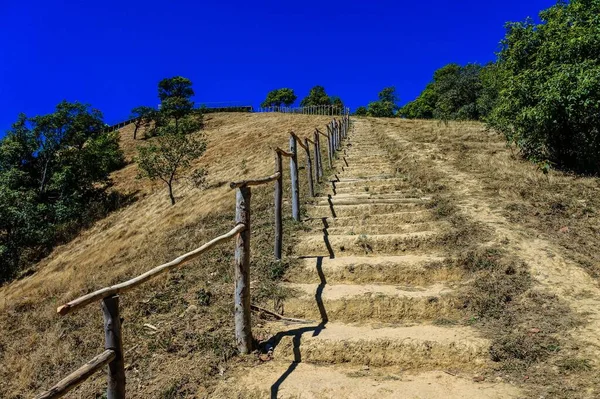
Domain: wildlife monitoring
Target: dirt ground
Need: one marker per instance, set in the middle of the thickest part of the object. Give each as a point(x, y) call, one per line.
point(434, 262)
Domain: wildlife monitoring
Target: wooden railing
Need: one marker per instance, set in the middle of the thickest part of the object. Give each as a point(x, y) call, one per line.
point(309, 110)
point(113, 354)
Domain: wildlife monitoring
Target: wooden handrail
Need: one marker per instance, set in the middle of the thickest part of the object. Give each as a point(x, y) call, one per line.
point(134, 282)
point(78, 376)
point(284, 152)
point(310, 141)
point(255, 182)
point(320, 132)
point(300, 143)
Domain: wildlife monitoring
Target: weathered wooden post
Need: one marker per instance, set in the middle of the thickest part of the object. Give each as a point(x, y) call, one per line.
point(243, 331)
point(294, 179)
point(329, 146)
point(278, 206)
point(318, 161)
point(309, 169)
point(114, 341)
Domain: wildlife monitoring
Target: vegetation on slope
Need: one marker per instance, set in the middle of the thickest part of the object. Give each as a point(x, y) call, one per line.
point(192, 308)
point(54, 180)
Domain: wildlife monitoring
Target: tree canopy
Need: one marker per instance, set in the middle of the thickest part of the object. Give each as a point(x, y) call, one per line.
point(54, 172)
point(549, 99)
point(452, 95)
point(279, 97)
point(386, 106)
point(316, 96)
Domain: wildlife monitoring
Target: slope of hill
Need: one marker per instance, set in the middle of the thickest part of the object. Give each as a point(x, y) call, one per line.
point(38, 348)
point(435, 263)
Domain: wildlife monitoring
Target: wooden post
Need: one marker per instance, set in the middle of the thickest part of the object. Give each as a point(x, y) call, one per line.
point(329, 146)
point(318, 161)
point(243, 331)
point(114, 341)
point(309, 169)
point(294, 179)
point(278, 206)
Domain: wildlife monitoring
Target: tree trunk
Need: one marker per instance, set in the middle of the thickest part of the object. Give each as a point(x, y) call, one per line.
point(170, 184)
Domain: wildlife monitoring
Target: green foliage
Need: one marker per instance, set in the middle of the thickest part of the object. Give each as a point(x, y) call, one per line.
point(175, 97)
point(54, 171)
point(386, 106)
point(549, 103)
point(361, 111)
point(143, 117)
point(279, 97)
point(316, 96)
point(337, 102)
point(452, 95)
point(165, 157)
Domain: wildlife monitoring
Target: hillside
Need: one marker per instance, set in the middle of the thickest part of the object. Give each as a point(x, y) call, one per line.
point(442, 266)
point(38, 348)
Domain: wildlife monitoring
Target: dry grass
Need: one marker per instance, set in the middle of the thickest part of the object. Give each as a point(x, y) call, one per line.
point(469, 170)
point(37, 347)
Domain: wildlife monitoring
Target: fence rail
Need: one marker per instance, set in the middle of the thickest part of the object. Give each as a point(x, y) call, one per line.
point(113, 355)
point(331, 110)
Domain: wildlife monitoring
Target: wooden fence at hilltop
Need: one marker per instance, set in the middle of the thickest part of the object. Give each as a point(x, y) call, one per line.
point(331, 110)
point(113, 355)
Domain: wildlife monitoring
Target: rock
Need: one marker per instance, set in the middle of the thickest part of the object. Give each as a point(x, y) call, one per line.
point(479, 378)
point(366, 368)
point(534, 331)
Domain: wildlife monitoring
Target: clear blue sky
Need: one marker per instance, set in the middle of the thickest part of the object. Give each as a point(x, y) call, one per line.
point(111, 54)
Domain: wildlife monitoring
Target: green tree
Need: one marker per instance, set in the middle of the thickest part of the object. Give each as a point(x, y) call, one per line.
point(54, 172)
point(165, 157)
point(175, 98)
point(316, 96)
point(452, 95)
point(279, 97)
point(143, 117)
point(361, 111)
point(386, 106)
point(549, 103)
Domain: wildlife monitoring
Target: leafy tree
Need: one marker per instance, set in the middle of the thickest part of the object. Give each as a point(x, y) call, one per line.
point(143, 117)
point(549, 103)
point(279, 97)
point(337, 103)
point(361, 111)
point(316, 96)
point(452, 95)
point(175, 98)
point(386, 106)
point(54, 171)
point(164, 158)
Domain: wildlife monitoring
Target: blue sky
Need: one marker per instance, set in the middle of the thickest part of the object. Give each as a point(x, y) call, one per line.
point(111, 54)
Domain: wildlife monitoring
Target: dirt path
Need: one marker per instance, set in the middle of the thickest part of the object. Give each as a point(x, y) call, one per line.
point(553, 272)
point(379, 302)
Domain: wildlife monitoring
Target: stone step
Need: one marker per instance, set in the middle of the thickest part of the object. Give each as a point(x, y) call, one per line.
point(338, 201)
point(419, 347)
point(343, 245)
point(363, 209)
point(384, 228)
point(285, 380)
point(372, 302)
point(417, 270)
point(412, 216)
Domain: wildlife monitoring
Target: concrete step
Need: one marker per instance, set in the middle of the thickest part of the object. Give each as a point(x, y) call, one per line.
point(343, 245)
point(372, 302)
point(285, 380)
point(418, 270)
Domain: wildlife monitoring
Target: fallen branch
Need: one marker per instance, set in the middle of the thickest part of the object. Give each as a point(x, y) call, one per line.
point(278, 316)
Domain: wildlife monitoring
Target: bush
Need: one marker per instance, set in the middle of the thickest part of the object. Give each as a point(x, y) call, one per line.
point(549, 106)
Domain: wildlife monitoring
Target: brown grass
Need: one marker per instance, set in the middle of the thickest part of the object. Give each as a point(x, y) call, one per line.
point(469, 170)
point(37, 347)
